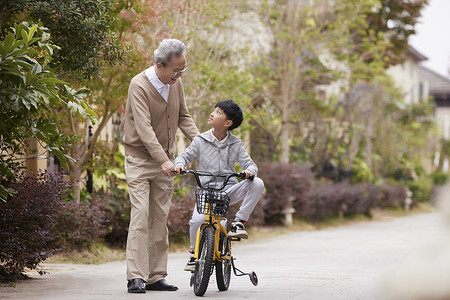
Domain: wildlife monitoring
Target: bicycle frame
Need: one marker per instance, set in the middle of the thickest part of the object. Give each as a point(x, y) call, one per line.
point(214, 222)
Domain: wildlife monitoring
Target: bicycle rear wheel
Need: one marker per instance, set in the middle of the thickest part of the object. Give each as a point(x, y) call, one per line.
point(223, 269)
point(203, 268)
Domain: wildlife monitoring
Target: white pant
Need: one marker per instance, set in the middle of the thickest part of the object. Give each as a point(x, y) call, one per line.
point(246, 190)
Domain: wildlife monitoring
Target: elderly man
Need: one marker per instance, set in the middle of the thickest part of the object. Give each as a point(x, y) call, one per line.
point(155, 109)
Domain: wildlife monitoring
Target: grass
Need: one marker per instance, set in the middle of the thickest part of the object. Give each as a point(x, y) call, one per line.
point(100, 253)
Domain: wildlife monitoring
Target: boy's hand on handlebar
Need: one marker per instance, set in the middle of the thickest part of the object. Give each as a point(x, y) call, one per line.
point(248, 174)
point(179, 169)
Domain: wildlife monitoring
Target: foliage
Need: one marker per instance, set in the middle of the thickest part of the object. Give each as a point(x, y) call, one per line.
point(28, 89)
point(84, 32)
point(27, 222)
point(287, 186)
point(80, 225)
point(80, 29)
point(340, 199)
point(180, 214)
point(315, 200)
point(356, 120)
point(393, 195)
point(421, 188)
point(292, 69)
point(218, 56)
point(439, 177)
point(361, 172)
point(396, 20)
point(112, 191)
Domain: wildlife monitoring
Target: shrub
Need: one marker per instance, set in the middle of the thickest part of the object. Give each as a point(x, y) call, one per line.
point(340, 199)
point(439, 177)
point(26, 223)
point(180, 214)
point(421, 188)
point(80, 225)
point(117, 213)
point(392, 196)
point(284, 183)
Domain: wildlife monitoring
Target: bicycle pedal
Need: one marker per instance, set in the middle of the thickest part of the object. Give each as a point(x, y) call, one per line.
point(235, 239)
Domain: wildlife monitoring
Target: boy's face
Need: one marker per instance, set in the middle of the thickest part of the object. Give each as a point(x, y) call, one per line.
point(218, 119)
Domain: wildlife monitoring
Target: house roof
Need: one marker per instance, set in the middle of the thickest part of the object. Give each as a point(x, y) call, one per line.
point(415, 55)
point(439, 85)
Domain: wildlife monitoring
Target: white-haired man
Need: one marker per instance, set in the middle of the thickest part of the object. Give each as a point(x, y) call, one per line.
point(155, 109)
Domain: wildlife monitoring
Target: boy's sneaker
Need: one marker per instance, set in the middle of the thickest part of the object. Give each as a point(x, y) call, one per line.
point(238, 230)
point(190, 266)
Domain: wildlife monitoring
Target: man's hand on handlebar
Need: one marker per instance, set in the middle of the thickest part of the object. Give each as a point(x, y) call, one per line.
point(167, 167)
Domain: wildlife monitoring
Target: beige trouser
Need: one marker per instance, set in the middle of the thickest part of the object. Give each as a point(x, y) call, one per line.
point(148, 241)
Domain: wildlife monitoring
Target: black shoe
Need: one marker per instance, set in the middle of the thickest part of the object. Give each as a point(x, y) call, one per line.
point(161, 285)
point(136, 285)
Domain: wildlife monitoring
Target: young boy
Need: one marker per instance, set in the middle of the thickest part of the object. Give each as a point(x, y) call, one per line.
point(216, 151)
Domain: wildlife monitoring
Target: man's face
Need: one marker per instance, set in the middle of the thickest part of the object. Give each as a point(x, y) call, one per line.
point(170, 73)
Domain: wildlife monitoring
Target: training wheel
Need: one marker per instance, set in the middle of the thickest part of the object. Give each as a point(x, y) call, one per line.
point(253, 278)
point(191, 282)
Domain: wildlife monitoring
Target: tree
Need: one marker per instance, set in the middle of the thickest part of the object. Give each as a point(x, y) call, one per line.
point(293, 69)
point(28, 89)
point(83, 32)
point(397, 20)
point(326, 77)
point(80, 28)
point(378, 38)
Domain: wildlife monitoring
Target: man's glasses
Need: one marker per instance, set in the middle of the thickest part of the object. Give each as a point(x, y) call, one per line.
point(180, 71)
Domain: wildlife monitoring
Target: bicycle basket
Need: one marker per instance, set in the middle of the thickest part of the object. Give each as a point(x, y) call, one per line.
point(218, 202)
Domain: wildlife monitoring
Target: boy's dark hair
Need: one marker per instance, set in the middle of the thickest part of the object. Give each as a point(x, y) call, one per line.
point(232, 111)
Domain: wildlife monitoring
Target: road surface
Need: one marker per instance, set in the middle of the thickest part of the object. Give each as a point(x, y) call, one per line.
point(346, 262)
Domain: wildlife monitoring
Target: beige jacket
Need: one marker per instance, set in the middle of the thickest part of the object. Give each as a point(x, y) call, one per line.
point(151, 123)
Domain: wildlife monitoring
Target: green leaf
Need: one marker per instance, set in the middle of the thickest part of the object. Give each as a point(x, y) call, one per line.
point(37, 69)
point(32, 31)
point(61, 156)
point(24, 36)
point(50, 80)
point(26, 103)
point(9, 40)
point(83, 93)
point(73, 107)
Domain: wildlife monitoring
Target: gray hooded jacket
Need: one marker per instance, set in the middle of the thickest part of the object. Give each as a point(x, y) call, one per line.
point(217, 160)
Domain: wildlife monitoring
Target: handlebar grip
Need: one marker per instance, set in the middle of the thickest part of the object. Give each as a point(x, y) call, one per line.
point(242, 176)
point(181, 171)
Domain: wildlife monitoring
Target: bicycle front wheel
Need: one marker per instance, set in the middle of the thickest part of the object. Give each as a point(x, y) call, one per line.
point(223, 269)
point(203, 268)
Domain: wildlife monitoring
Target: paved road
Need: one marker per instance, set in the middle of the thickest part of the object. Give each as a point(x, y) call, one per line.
point(347, 262)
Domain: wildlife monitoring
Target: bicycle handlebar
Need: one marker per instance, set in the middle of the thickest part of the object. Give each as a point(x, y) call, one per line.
point(227, 177)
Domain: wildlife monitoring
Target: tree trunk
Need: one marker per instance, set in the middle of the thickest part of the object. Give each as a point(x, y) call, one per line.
point(75, 179)
point(284, 139)
point(369, 146)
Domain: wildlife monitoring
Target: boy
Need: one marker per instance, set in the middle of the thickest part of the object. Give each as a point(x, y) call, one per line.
point(216, 151)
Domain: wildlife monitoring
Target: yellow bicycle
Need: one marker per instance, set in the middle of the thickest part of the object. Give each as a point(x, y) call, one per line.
point(213, 245)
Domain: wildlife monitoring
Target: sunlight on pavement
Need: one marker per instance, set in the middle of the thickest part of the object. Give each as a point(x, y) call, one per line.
point(426, 273)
